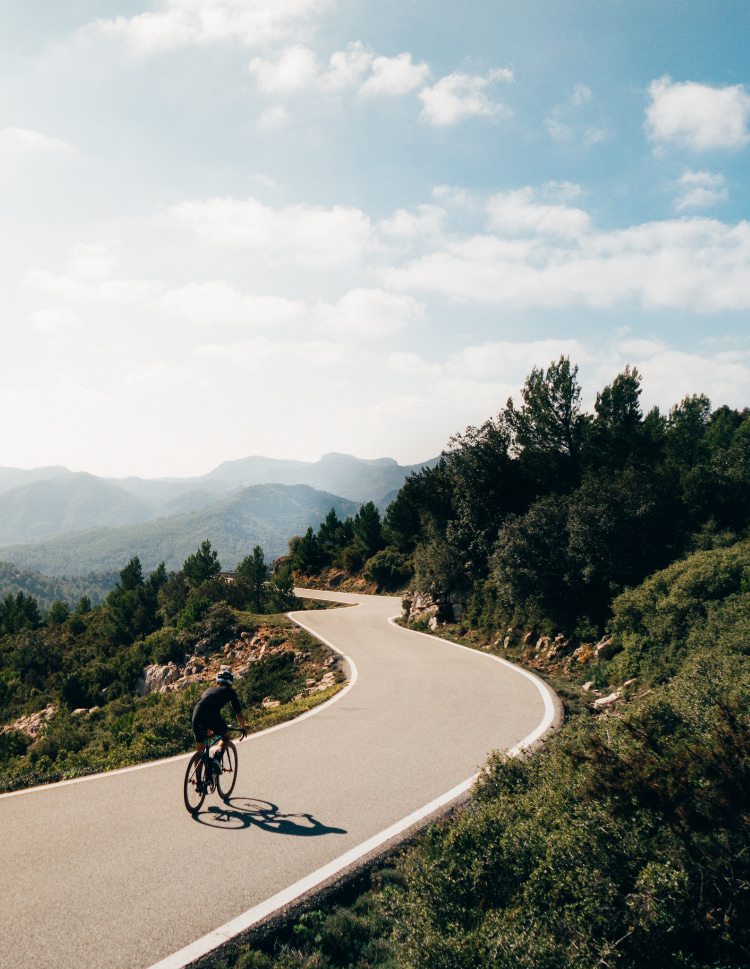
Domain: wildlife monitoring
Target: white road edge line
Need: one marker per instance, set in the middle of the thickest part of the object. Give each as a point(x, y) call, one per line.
point(205, 945)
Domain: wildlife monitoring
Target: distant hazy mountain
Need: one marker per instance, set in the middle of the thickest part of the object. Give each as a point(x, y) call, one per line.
point(340, 474)
point(40, 504)
point(66, 503)
point(265, 515)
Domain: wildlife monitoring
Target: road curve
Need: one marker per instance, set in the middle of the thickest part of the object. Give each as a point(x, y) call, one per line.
point(112, 873)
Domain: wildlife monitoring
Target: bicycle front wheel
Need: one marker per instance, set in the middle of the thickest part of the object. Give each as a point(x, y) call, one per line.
point(228, 778)
point(195, 792)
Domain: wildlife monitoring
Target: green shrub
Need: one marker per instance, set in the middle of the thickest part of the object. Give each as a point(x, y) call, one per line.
point(624, 842)
point(388, 569)
point(661, 622)
point(164, 646)
point(13, 743)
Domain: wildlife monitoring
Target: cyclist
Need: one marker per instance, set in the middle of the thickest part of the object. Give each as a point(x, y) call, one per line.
point(207, 716)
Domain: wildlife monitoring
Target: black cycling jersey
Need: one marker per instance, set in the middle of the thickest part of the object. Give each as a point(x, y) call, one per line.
point(209, 707)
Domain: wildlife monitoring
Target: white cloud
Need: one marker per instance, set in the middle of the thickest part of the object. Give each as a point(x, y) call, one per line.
point(185, 23)
point(698, 116)
point(23, 143)
point(263, 355)
point(107, 291)
point(273, 117)
point(458, 96)
point(164, 378)
point(347, 68)
point(510, 362)
point(294, 69)
point(412, 365)
point(517, 213)
point(306, 235)
point(210, 303)
point(671, 375)
point(297, 68)
point(395, 75)
point(552, 256)
point(59, 323)
point(427, 221)
point(700, 190)
point(370, 313)
point(92, 262)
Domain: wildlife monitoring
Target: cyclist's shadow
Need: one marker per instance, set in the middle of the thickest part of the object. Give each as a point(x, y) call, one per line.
point(239, 813)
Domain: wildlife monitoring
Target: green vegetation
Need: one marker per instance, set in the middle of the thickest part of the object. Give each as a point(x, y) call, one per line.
point(265, 515)
point(69, 679)
point(624, 841)
point(47, 590)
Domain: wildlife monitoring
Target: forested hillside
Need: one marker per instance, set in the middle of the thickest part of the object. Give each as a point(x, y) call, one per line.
point(74, 681)
point(263, 515)
point(47, 590)
point(610, 552)
point(541, 516)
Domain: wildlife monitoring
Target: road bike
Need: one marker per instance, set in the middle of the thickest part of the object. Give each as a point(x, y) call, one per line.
point(204, 776)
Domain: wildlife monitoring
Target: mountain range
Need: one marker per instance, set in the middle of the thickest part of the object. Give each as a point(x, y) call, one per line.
point(67, 523)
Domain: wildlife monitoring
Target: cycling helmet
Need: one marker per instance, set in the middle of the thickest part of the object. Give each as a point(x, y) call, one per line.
point(224, 675)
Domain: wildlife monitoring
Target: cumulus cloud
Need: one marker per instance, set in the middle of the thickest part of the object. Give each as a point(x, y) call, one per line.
point(297, 68)
point(210, 303)
point(301, 234)
point(412, 365)
point(162, 376)
point(77, 289)
point(552, 256)
point(671, 375)
point(92, 261)
point(370, 313)
point(511, 361)
point(698, 116)
point(258, 354)
point(21, 149)
point(518, 213)
point(24, 143)
point(458, 96)
point(699, 190)
point(395, 75)
point(185, 23)
point(347, 67)
point(427, 221)
point(58, 323)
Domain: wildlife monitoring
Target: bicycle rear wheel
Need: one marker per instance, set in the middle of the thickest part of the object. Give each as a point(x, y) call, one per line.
point(228, 778)
point(195, 793)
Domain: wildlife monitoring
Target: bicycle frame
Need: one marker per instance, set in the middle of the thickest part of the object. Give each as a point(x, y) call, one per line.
point(202, 778)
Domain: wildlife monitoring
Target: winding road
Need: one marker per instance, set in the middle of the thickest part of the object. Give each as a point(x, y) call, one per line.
point(111, 872)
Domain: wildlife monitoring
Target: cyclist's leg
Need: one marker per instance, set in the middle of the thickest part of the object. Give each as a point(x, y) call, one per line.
point(200, 732)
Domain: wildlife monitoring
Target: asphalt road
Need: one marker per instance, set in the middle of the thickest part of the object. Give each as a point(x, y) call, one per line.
point(113, 873)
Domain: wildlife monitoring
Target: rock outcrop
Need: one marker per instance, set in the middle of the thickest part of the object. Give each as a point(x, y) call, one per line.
point(240, 655)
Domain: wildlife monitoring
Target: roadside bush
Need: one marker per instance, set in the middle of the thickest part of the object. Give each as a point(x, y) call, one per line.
point(661, 622)
point(388, 569)
point(623, 843)
point(270, 677)
point(217, 623)
point(13, 743)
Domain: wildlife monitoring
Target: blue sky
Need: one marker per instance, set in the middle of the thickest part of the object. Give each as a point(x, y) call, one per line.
point(288, 227)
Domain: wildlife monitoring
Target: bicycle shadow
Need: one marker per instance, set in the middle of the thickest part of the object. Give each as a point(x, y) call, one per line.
point(241, 813)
